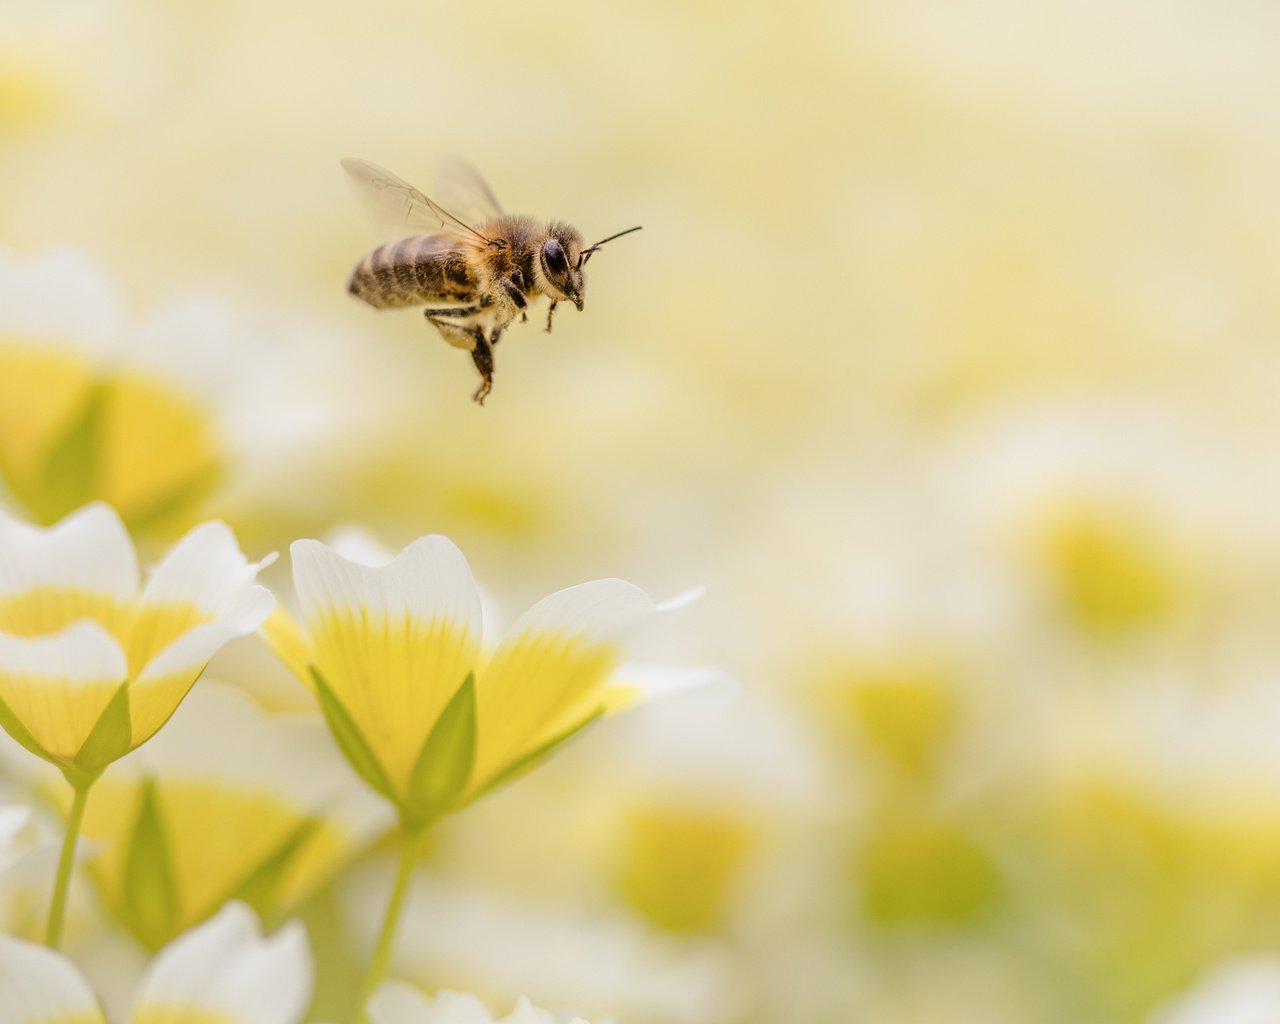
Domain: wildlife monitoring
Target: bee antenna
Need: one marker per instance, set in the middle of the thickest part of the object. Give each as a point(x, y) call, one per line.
point(586, 253)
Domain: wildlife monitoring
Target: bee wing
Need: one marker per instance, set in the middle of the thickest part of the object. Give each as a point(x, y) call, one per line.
point(463, 189)
point(394, 202)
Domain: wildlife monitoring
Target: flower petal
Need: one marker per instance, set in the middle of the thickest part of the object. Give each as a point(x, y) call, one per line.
point(550, 670)
point(57, 686)
point(235, 786)
point(40, 986)
point(393, 642)
point(58, 294)
point(225, 967)
point(396, 1002)
point(83, 566)
point(158, 691)
point(206, 570)
point(282, 634)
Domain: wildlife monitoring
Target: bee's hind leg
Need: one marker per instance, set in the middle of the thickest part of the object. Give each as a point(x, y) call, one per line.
point(470, 337)
point(482, 356)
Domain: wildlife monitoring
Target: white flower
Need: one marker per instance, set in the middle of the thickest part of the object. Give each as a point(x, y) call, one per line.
point(394, 653)
point(152, 416)
point(559, 956)
point(93, 663)
point(224, 971)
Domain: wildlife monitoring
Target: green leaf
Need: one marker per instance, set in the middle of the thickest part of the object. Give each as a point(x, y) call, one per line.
point(150, 895)
point(533, 758)
point(12, 724)
point(111, 736)
point(444, 763)
point(355, 748)
point(258, 887)
point(71, 465)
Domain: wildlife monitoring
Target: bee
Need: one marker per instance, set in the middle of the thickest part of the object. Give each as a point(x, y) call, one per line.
point(475, 276)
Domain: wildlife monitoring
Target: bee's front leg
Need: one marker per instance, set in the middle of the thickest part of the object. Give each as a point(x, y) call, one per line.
point(514, 292)
point(550, 309)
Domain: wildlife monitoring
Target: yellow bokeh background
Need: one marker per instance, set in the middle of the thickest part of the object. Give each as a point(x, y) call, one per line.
point(946, 361)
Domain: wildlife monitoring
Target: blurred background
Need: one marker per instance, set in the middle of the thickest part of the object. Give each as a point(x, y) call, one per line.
point(946, 362)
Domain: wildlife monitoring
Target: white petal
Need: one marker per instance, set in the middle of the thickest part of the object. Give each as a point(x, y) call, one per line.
point(38, 985)
point(225, 967)
point(205, 568)
point(460, 1008)
point(398, 1003)
point(59, 295)
point(13, 819)
point(89, 550)
point(194, 648)
point(526, 1013)
point(152, 694)
point(196, 345)
point(603, 610)
point(40, 677)
point(654, 682)
point(429, 578)
point(1241, 991)
point(683, 600)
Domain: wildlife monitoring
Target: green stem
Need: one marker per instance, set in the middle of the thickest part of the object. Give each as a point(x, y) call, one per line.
point(411, 844)
point(66, 861)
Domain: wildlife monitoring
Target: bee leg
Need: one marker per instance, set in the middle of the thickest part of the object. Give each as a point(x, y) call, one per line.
point(482, 356)
point(514, 293)
point(450, 311)
point(550, 309)
point(524, 318)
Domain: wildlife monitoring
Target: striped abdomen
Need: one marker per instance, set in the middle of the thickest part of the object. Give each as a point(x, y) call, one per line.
point(414, 271)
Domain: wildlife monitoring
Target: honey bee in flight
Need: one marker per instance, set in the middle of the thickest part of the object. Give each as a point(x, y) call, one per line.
point(474, 275)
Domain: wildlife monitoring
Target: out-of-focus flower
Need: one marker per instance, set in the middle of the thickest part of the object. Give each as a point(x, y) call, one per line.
point(92, 664)
point(456, 933)
point(394, 655)
point(224, 971)
point(152, 417)
point(74, 424)
point(18, 848)
point(227, 801)
point(1244, 991)
point(398, 1003)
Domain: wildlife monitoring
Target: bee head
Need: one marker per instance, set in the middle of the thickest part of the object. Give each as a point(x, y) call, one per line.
point(560, 261)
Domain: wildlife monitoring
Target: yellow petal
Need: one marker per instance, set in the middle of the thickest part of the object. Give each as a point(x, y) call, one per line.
point(82, 567)
point(551, 672)
point(159, 450)
point(536, 687)
point(58, 685)
point(289, 643)
point(393, 642)
point(41, 390)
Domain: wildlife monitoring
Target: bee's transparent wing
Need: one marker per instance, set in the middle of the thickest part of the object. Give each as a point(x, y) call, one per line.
point(464, 191)
point(396, 203)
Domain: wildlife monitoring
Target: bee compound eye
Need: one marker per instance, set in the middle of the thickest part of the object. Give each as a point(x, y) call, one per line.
point(554, 258)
